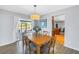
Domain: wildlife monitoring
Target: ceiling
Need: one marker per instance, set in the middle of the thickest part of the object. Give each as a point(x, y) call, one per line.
point(29, 9)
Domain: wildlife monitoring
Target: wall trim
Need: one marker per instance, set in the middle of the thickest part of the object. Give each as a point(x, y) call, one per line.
point(8, 43)
point(71, 48)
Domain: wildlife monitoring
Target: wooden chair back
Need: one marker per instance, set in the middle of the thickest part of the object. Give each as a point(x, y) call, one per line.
point(51, 43)
point(25, 40)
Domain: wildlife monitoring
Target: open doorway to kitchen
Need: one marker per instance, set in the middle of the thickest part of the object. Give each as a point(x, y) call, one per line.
point(58, 28)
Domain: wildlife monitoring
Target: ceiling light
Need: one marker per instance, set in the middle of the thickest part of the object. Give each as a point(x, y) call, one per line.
point(35, 16)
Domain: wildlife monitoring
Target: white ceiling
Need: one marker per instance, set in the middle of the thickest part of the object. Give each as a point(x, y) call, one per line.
point(29, 9)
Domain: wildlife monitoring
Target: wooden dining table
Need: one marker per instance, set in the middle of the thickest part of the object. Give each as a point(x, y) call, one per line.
point(39, 41)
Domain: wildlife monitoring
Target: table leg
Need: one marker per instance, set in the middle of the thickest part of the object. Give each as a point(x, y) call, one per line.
point(38, 49)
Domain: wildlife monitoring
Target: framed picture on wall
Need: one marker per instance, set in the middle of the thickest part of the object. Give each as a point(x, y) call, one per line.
point(43, 23)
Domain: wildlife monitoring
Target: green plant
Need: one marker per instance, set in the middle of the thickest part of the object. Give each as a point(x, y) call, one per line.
point(37, 29)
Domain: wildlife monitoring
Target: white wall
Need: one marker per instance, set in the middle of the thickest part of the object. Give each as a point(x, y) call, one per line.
point(8, 21)
point(71, 25)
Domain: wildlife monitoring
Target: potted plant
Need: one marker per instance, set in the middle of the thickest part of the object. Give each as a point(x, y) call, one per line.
point(37, 29)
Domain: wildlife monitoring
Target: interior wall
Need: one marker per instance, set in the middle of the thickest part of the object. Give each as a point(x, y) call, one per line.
point(8, 21)
point(71, 25)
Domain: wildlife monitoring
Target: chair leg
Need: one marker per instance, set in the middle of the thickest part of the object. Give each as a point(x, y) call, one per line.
point(25, 49)
point(53, 50)
point(49, 50)
point(23, 46)
point(29, 50)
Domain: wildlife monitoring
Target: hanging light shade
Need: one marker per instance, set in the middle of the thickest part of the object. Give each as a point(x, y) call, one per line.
point(35, 16)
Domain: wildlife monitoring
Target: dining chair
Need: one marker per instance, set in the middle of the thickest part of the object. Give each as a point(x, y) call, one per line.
point(25, 42)
point(45, 49)
point(47, 46)
point(29, 45)
point(53, 43)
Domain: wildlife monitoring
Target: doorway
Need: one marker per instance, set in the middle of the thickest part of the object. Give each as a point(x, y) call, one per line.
point(58, 28)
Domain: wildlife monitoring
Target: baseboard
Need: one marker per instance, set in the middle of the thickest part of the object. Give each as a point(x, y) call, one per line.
point(72, 48)
point(8, 43)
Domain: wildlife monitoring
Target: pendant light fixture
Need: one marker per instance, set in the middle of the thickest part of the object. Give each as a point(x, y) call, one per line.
point(35, 16)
